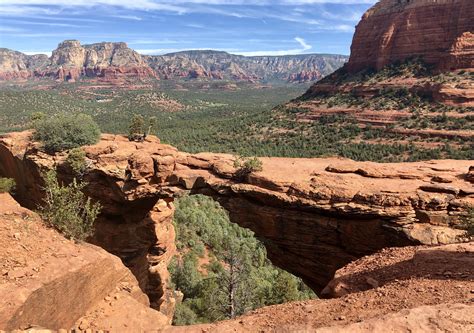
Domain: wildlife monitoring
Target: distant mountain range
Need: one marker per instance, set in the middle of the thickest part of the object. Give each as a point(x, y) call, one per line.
point(116, 62)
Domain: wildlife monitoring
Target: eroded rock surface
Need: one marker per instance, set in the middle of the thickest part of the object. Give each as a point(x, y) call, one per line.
point(117, 64)
point(314, 215)
point(410, 289)
point(49, 281)
point(439, 31)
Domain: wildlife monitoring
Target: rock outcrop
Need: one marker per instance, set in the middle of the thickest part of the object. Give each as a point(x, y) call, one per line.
point(16, 65)
point(49, 281)
point(314, 215)
point(409, 77)
point(412, 289)
point(108, 61)
point(145, 239)
point(117, 63)
point(305, 76)
point(441, 32)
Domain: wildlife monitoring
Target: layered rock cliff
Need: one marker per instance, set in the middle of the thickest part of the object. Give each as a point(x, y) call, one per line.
point(49, 281)
point(409, 79)
point(314, 215)
point(117, 63)
point(211, 64)
point(16, 65)
point(439, 31)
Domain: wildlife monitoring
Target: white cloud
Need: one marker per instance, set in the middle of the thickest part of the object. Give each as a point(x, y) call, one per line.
point(48, 53)
point(195, 26)
point(303, 43)
point(28, 6)
point(334, 28)
point(172, 50)
point(51, 24)
point(155, 41)
point(171, 5)
point(128, 17)
point(304, 47)
point(10, 29)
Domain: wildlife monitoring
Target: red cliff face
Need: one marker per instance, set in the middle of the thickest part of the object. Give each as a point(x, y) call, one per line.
point(439, 31)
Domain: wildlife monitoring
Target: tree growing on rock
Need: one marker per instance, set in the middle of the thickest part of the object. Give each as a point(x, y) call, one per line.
point(67, 208)
point(136, 129)
point(152, 122)
point(76, 159)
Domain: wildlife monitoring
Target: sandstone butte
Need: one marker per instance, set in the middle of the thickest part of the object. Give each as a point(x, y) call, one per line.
point(439, 31)
point(316, 216)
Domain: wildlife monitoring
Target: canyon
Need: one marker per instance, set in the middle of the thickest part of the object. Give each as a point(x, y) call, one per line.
point(118, 64)
point(312, 222)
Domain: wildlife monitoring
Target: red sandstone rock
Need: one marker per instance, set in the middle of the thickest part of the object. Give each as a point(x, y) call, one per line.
point(438, 31)
point(415, 289)
point(52, 282)
point(116, 64)
point(311, 212)
point(304, 76)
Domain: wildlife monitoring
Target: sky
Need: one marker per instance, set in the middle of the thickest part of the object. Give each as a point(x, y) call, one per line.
point(259, 27)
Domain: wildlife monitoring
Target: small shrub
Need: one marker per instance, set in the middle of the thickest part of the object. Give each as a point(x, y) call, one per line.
point(152, 122)
point(7, 185)
point(184, 315)
point(67, 208)
point(76, 159)
point(468, 222)
point(65, 131)
point(136, 129)
point(247, 165)
point(35, 117)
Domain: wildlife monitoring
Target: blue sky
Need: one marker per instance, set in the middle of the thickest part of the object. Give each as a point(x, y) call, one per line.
point(259, 27)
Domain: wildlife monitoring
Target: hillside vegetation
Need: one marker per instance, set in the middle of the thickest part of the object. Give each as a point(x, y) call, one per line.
point(247, 120)
point(222, 269)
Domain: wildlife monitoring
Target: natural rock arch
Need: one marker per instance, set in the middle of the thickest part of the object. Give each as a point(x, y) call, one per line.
point(314, 215)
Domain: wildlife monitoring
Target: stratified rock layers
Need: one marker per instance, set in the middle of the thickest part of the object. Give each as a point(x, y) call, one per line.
point(48, 281)
point(441, 32)
point(314, 215)
point(117, 64)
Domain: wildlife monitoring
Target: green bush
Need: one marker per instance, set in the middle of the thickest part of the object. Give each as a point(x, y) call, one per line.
point(468, 222)
point(247, 165)
point(136, 129)
point(67, 208)
point(183, 315)
point(76, 159)
point(7, 185)
point(152, 122)
point(65, 131)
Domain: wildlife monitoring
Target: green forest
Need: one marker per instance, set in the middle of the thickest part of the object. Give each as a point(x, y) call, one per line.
point(248, 121)
point(222, 269)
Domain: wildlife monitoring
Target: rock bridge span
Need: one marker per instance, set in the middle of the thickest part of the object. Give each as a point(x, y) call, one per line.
point(313, 215)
